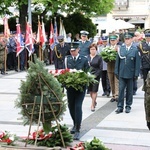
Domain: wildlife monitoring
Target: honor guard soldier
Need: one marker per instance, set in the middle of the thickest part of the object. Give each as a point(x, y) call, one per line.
point(84, 44)
point(144, 48)
point(76, 97)
point(3, 43)
point(61, 50)
point(110, 70)
point(127, 68)
point(147, 100)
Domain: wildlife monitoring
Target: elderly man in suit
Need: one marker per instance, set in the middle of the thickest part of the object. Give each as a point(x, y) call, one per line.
point(127, 68)
point(76, 97)
point(61, 50)
point(84, 44)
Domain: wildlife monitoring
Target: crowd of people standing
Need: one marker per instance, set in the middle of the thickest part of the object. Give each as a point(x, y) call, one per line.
point(119, 77)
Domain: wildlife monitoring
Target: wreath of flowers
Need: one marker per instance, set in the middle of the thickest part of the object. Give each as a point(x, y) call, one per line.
point(108, 54)
point(50, 139)
point(39, 81)
point(6, 137)
point(94, 144)
point(76, 79)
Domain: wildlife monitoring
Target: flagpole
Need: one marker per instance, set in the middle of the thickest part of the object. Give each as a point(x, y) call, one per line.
point(39, 39)
point(41, 47)
point(29, 12)
point(5, 59)
point(26, 54)
point(17, 21)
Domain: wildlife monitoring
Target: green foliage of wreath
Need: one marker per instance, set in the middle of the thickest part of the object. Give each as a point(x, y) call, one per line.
point(40, 85)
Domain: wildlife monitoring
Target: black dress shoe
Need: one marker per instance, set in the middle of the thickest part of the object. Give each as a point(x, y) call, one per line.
point(76, 135)
point(108, 94)
point(116, 99)
point(119, 110)
point(134, 93)
point(112, 100)
point(103, 94)
point(128, 110)
point(73, 130)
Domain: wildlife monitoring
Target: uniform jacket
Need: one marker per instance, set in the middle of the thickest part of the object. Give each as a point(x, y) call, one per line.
point(147, 98)
point(127, 62)
point(80, 63)
point(144, 49)
point(84, 48)
point(11, 45)
point(59, 54)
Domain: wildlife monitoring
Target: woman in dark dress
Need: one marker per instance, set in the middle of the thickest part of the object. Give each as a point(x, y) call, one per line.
point(96, 66)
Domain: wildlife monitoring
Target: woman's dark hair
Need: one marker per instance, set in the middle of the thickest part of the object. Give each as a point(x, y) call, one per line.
point(93, 45)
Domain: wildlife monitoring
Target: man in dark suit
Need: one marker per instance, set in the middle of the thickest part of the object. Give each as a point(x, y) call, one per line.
point(144, 48)
point(84, 44)
point(127, 67)
point(60, 51)
point(76, 97)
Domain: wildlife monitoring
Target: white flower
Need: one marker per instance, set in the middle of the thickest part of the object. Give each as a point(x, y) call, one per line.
point(56, 130)
point(12, 138)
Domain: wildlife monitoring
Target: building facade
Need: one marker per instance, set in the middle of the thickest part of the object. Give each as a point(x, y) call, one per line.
point(136, 12)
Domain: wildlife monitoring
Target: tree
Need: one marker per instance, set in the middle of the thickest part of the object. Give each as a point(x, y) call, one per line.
point(76, 22)
point(85, 7)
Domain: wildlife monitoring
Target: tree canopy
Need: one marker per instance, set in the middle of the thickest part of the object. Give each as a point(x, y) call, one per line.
point(51, 8)
point(87, 7)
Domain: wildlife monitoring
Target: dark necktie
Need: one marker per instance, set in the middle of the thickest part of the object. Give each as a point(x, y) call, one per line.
point(74, 59)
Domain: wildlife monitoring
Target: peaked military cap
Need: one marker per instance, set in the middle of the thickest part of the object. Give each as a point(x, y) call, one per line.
point(113, 37)
point(84, 32)
point(147, 33)
point(104, 38)
point(74, 46)
point(128, 35)
point(60, 38)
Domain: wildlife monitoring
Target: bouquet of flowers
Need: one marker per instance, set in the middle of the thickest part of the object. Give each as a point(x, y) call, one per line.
point(108, 54)
point(74, 78)
point(6, 137)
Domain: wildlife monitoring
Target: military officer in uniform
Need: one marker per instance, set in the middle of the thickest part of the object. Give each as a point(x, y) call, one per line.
point(84, 44)
point(144, 48)
point(127, 67)
point(3, 43)
point(61, 50)
point(76, 97)
point(147, 100)
point(110, 70)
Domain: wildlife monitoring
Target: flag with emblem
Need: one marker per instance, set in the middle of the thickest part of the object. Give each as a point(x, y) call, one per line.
point(19, 40)
point(62, 30)
point(29, 39)
point(55, 32)
point(6, 28)
point(51, 39)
